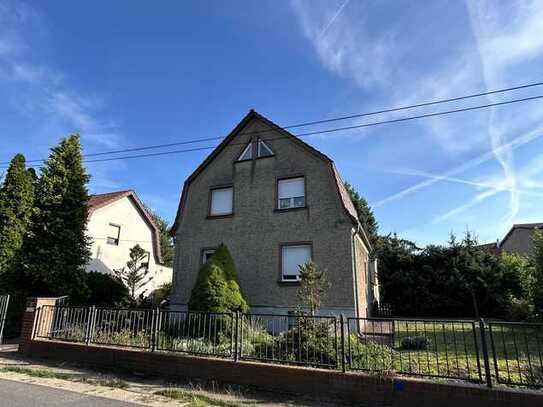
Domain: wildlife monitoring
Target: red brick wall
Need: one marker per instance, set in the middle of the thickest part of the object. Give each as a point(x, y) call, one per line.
point(27, 328)
point(363, 389)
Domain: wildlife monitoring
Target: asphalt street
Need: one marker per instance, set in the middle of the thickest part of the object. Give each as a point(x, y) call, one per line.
point(15, 394)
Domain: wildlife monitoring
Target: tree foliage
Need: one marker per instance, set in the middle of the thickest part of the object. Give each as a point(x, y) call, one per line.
point(313, 286)
point(56, 249)
point(166, 247)
point(537, 260)
point(136, 273)
point(217, 287)
point(365, 214)
point(16, 207)
point(106, 290)
point(443, 280)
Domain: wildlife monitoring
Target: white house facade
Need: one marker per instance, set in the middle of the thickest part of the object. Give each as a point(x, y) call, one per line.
point(117, 222)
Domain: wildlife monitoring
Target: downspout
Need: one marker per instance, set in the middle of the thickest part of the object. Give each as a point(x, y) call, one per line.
point(355, 274)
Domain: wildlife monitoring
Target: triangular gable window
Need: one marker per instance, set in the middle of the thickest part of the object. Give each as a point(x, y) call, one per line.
point(247, 153)
point(262, 150)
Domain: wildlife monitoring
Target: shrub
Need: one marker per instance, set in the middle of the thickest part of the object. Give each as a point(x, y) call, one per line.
point(415, 343)
point(217, 288)
point(371, 356)
point(106, 290)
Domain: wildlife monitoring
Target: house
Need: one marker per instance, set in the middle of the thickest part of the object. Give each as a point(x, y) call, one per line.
point(117, 221)
point(519, 238)
point(276, 202)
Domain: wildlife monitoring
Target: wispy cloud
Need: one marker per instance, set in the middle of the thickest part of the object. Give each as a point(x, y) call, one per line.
point(42, 88)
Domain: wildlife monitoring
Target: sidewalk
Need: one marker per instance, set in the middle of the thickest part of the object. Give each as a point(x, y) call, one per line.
point(143, 390)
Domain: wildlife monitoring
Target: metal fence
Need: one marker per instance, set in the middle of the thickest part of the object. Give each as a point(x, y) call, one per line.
point(292, 339)
point(4, 302)
point(517, 350)
point(497, 352)
point(418, 347)
point(198, 333)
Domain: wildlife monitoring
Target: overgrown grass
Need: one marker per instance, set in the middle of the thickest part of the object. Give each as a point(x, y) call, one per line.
point(195, 399)
point(50, 374)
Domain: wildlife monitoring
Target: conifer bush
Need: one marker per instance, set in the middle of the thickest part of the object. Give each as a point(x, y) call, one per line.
point(217, 288)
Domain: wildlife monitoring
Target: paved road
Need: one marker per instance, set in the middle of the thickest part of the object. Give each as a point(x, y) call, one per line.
point(15, 394)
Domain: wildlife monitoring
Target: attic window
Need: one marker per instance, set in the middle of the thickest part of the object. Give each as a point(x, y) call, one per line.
point(247, 153)
point(262, 150)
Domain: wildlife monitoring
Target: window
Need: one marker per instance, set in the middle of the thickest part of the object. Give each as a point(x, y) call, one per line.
point(221, 201)
point(291, 193)
point(247, 154)
point(262, 150)
point(292, 257)
point(207, 254)
point(113, 234)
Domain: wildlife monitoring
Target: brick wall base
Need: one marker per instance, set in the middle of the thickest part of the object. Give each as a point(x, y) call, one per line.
point(362, 389)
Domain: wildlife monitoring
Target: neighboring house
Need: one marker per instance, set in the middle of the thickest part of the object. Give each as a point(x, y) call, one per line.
point(519, 238)
point(117, 222)
point(276, 202)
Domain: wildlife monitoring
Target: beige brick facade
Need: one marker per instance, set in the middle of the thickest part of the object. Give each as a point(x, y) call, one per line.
point(256, 230)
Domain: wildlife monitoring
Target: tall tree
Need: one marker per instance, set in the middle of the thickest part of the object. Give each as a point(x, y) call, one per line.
point(537, 260)
point(166, 247)
point(16, 206)
point(135, 274)
point(57, 249)
point(365, 214)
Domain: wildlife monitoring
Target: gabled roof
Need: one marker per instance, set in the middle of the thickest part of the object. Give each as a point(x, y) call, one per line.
point(100, 200)
point(528, 226)
point(343, 194)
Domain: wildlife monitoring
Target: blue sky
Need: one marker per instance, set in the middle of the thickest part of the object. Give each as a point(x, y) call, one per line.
point(134, 73)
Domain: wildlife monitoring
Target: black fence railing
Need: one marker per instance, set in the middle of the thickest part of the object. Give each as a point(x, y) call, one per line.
point(517, 353)
point(419, 347)
point(4, 302)
point(293, 339)
point(497, 352)
point(198, 333)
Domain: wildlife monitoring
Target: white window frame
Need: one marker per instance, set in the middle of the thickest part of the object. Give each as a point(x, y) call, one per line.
point(249, 149)
point(292, 200)
point(211, 195)
point(259, 152)
point(285, 247)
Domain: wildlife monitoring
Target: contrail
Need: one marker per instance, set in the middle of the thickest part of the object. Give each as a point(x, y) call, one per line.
point(333, 19)
point(519, 141)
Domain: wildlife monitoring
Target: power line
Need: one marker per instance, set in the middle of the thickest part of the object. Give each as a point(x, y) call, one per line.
point(326, 131)
point(310, 123)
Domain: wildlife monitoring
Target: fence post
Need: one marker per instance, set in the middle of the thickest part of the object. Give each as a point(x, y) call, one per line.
point(484, 348)
point(154, 328)
point(89, 325)
point(342, 323)
point(236, 338)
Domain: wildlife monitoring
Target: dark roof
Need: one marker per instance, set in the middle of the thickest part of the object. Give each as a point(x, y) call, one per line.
point(341, 190)
point(528, 226)
point(100, 200)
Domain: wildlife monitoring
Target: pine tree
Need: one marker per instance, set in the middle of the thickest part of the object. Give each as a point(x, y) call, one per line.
point(57, 249)
point(134, 275)
point(365, 214)
point(16, 206)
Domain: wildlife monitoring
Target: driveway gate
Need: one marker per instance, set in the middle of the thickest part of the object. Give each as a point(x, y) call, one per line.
point(4, 301)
